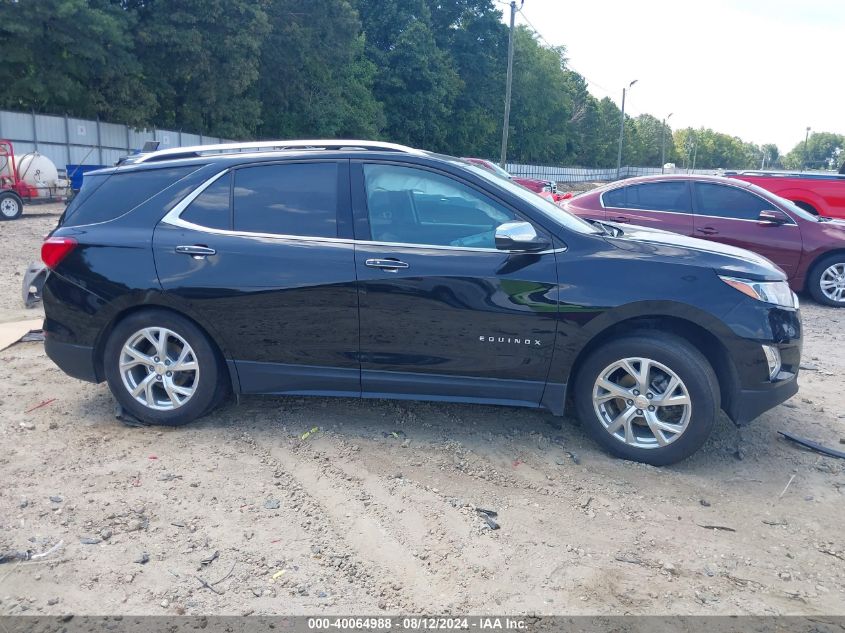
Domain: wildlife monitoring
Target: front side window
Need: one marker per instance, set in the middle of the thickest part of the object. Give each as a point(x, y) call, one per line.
point(723, 201)
point(287, 199)
point(416, 206)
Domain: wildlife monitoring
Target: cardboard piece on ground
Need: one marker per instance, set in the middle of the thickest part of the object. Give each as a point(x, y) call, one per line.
point(11, 333)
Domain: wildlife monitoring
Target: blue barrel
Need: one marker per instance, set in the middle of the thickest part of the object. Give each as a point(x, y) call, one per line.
point(76, 173)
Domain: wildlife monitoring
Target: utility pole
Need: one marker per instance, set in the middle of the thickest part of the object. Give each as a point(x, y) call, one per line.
point(508, 87)
point(663, 143)
point(806, 138)
point(622, 129)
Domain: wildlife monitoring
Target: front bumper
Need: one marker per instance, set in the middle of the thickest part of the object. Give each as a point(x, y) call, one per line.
point(747, 404)
point(75, 360)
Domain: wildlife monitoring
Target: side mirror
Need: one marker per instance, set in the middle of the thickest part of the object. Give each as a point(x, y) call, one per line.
point(519, 236)
point(772, 217)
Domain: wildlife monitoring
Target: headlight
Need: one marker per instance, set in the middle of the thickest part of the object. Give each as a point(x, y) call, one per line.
point(775, 292)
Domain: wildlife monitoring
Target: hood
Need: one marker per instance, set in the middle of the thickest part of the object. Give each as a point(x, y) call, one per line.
point(680, 249)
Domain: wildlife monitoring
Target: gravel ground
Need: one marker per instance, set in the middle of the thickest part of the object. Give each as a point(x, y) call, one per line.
point(374, 512)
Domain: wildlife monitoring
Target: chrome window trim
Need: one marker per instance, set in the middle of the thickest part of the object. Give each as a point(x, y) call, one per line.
point(172, 218)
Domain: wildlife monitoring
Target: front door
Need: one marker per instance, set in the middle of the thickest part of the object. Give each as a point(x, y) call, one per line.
point(444, 314)
point(264, 254)
point(729, 214)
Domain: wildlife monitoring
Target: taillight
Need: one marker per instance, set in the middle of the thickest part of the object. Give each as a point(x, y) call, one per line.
point(55, 249)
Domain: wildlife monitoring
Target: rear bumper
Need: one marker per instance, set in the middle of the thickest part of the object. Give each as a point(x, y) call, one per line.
point(75, 360)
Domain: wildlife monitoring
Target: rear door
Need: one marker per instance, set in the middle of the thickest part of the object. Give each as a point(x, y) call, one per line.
point(729, 214)
point(264, 255)
point(444, 314)
point(657, 205)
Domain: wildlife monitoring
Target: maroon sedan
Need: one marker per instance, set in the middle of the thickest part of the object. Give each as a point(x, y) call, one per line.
point(809, 248)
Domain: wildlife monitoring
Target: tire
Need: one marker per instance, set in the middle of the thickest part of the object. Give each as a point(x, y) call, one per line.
point(166, 401)
point(11, 206)
point(697, 381)
point(829, 270)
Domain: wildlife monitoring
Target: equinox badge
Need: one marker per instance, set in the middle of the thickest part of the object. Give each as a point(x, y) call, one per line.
point(508, 339)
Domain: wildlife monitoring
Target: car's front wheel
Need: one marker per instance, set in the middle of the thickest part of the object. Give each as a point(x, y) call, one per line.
point(827, 281)
point(648, 398)
point(162, 368)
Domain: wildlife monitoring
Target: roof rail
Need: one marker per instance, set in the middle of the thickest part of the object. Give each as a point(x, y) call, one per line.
point(232, 148)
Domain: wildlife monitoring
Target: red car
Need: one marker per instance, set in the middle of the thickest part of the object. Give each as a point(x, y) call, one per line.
point(545, 188)
point(820, 194)
point(809, 248)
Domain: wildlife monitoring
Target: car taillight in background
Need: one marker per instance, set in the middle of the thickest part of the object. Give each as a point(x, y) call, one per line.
point(55, 249)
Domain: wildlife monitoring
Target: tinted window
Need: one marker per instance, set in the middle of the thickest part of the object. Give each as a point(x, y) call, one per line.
point(728, 202)
point(211, 207)
point(289, 199)
point(614, 197)
point(106, 197)
point(653, 196)
point(415, 206)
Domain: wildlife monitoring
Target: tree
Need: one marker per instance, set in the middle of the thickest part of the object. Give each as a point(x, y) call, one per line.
point(416, 81)
point(820, 152)
point(201, 59)
point(541, 108)
point(471, 32)
point(72, 56)
point(311, 89)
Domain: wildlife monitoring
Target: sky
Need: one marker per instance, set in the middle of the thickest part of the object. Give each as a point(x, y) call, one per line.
point(763, 70)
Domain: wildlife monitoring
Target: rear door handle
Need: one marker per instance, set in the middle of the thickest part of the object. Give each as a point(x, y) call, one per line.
point(708, 230)
point(622, 219)
point(196, 251)
point(391, 265)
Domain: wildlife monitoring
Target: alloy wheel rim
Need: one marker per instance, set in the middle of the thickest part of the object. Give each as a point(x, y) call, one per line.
point(642, 403)
point(159, 368)
point(832, 282)
point(9, 208)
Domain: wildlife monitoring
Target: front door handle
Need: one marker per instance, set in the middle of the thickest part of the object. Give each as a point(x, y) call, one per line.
point(708, 230)
point(390, 265)
point(622, 219)
point(197, 251)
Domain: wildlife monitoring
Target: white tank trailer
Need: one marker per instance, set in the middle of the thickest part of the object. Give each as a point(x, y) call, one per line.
point(41, 175)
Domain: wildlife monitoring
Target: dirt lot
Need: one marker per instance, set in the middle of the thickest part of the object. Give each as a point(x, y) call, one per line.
point(374, 511)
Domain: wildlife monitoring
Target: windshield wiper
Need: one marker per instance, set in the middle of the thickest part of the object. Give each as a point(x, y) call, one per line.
point(607, 229)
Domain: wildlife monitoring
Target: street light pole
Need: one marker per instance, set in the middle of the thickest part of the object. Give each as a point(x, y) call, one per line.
point(622, 129)
point(806, 138)
point(663, 143)
point(508, 81)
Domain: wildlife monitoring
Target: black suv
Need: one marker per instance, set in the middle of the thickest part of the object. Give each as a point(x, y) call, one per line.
point(364, 269)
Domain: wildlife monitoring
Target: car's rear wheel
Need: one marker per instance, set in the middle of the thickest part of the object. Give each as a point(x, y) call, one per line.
point(648, 398)
point(163, 369)
point(827, 281)
point(11, 206)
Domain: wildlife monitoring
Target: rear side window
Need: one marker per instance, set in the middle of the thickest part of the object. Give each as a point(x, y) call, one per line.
point(723, 201)
point(211, 208)
point(614, 197)
point(116, 194)
point(653, 196)
point(288, 199)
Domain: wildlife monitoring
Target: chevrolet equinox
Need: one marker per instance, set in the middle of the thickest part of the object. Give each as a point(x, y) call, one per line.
point(366, 269)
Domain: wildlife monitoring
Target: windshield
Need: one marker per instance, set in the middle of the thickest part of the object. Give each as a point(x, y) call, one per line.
point(549, 209)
